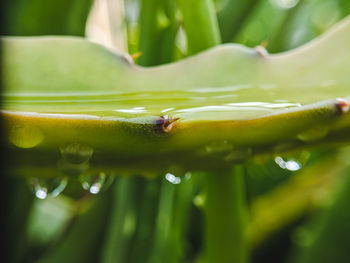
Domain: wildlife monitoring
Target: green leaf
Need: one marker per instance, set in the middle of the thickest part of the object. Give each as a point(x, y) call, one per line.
point(90, 225)
point(325, 237)
point(218, 107)
point(301, 195)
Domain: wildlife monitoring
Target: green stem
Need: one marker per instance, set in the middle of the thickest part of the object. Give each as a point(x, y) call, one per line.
point(164, 223)
point(278, 42)
point(226, 217)
point(200, 23)
point(295, 198)
point(85, 234)
point(325, 238)
point(41, 17)
point(181, 219)
point(120, 226)
point(149, 32)
point(233, 15)
point(141, 248)
point(166, 47)
point(158, 28)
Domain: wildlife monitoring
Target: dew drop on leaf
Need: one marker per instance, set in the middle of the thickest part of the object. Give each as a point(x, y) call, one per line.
point(219, 147)
point(76, 153)
point(25, 136)
point(239, 154)
point(313, 134)
point(72, 169)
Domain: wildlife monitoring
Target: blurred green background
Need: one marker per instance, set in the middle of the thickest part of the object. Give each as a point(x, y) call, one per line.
point(298, 203)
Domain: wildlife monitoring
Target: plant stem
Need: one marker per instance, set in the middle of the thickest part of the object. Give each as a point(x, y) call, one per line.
point(278, 42)
point(164, 223)
point(181, 219)
point(142, 242)
point(233, 15)
point(120, 227)
point(149, 32)
point(325, 238)
point(168, 32)
point(158, 28)
point(200, 23)
point(295, 198)
point(226, 216)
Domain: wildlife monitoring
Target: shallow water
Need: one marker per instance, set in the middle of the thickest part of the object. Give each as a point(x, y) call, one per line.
point(234, 103)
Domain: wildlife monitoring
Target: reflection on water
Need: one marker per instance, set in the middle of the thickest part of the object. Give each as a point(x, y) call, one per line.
point(205, 103)
point(77, 153)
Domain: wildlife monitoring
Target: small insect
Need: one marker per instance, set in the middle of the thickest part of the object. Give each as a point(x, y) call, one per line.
point(166, 122)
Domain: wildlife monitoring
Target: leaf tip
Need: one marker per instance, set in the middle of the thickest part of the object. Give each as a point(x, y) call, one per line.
point(261, 51)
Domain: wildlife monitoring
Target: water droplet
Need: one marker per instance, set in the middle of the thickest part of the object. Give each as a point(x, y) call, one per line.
point(291, 164)
point(94, 183)
point(239, 154)
point(313, 134)
point(76, 153)
point(72, 169)
point(43, 187)
point(172, 178)
point(219, 148)
point(25, 136)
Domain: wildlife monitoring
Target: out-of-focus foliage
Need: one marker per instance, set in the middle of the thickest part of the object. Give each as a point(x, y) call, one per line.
point(160, 220)
point(41, 17)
